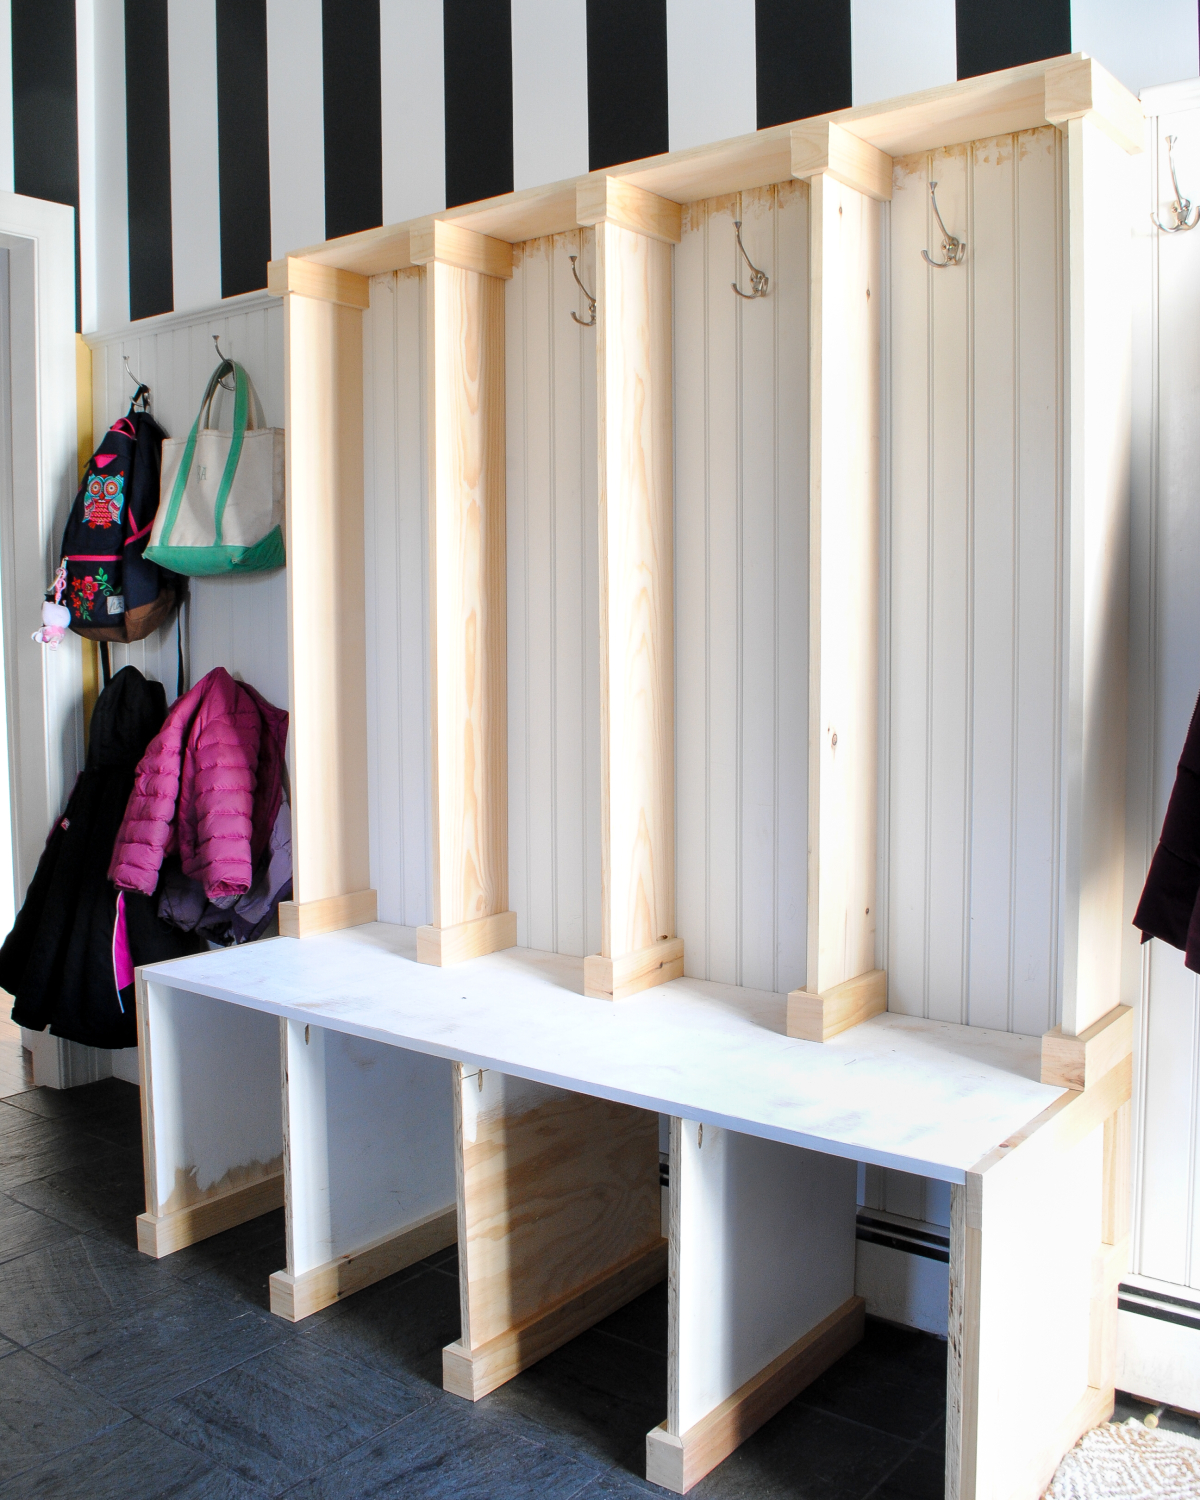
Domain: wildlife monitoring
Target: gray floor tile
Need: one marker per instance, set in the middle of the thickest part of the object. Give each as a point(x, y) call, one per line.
point(920, 1476)
point(132, 1462)
point(286, 1413)
point(141, 1358)
point(804, 1454)
point(618, 1486)
point(205, 1256)
point(596, 1395)
point(399, 1327)
point(447, 1451)
point(31, 1147)
point(42, 1412)
point(7, 1347)
point(82, 1278)
point(642, 1322)
point(23, 1230)
point(110, 1109)
point(245, 1271)
point(99, 1194)
point(894, 1380)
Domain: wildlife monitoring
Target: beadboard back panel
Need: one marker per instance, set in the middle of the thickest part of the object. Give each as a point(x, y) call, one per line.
point(553, 599)
point(1164, 681)
point(397, 603)
point(239, 623)
point(741, 591)
point(972, 570)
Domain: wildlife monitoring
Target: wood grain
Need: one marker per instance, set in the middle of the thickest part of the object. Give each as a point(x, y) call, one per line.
point(816, 1018)
point(163, 1234)
point(452, 945)
point(613, 201)
point(465, 395)
point(326, 611)
point(301, 919)
point(634, 427)
point(677, 1463)
point(824, 146)
point(617, 978)
point(473, 1373)
point(297, 1297)
point(1079, 86)
point(843, 582)
point(452, 245)
point(1118, 1171)
point(557, 1191)
point(324, 283)
point(1075, 1062)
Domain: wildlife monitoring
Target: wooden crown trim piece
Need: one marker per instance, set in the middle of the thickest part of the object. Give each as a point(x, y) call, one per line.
point(307, 278)
point(450, 244)
point(825, 146)
point(611, 200)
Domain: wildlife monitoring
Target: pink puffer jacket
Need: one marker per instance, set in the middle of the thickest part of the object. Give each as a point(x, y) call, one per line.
point(208, 788)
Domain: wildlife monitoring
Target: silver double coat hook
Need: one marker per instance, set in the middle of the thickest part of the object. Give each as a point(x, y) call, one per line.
point(952, 247)
point(1185, 217)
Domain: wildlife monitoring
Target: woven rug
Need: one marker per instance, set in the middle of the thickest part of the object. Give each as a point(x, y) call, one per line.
point(1129, 1462)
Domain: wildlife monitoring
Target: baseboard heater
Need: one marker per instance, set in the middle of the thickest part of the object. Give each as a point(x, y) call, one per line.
point(1183, 1311)
point(893, 1236)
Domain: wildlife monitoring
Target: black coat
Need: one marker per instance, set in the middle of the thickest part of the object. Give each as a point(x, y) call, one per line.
point(1170, 904)
point(57, 962)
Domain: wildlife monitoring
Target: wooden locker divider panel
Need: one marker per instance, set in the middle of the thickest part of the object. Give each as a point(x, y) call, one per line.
point(464, 290)
point(323, 377)
point(760, 1292)
point(211, 1128)
point(842, 985)
point(368, 1164)
point(634, 234)
point(560, 1219)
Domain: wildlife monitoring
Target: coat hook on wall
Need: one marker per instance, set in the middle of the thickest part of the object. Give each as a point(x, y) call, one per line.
point(216, 338)
point(142, 391)
point(759, 281)
point(1182, 207)
point(591, 319)
point(952, 247)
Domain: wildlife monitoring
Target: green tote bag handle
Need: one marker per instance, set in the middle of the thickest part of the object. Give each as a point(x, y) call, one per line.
point(241, 406)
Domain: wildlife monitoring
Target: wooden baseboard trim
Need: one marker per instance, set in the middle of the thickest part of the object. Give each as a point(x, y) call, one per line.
point(301, 919)
point(473, 1373)
point(617, 978)
point(297, 1297)
point(452, 945)
point(1076, 1062)
point(816, 1018)
point(677, 1463)
point(158, 1236)
point(1092, 1408)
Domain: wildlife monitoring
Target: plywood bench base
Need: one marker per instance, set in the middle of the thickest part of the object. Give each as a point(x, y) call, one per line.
point(677, 1463)
point(453, 945)
point(160, 1235)
point(816, 1018)
point(473, 1373)
point(616, 978)
point(296, 1297)
point(301, 919)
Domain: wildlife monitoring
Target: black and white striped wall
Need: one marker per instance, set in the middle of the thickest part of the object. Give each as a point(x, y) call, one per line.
point(199, 138)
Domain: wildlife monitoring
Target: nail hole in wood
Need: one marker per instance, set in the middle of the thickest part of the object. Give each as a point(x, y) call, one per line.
point(834, 740)
point(699, 1136)
point(306, 1036)
point(480, 1077)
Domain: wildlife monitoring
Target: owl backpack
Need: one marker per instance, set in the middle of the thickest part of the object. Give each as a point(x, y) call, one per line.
point(105, 589)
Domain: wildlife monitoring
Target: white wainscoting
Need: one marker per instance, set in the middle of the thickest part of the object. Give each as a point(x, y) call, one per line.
point(1164, 680)
point(741, 591)
point(239, 623)
point(973, 562)
point(397, 603)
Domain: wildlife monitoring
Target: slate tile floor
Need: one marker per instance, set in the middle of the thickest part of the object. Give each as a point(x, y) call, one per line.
point(126, 1377)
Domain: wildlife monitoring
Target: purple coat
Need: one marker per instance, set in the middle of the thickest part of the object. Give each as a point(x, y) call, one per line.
point(208, 788)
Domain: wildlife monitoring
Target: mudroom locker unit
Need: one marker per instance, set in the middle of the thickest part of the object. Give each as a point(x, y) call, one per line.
point(702, 706)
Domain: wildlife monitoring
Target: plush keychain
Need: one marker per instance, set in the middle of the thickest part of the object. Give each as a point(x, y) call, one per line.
point(56, 617)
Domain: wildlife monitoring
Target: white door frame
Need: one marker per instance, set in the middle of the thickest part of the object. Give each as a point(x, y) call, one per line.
point(44, 697)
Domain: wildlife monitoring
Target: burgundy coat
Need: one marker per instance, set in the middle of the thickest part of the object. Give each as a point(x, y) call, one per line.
point(208, 788)
point(1170, 904)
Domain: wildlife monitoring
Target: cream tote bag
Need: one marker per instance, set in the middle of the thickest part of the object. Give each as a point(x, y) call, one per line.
point(220, 504)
